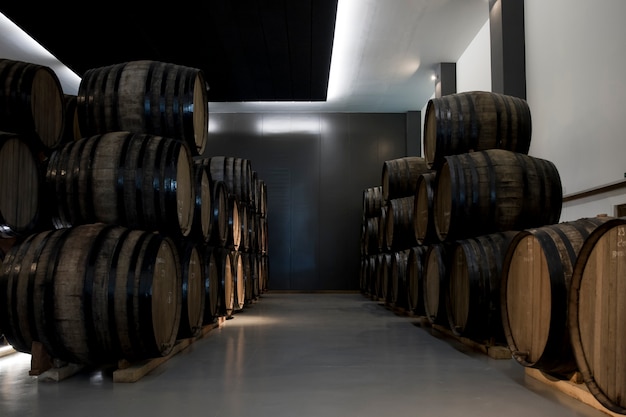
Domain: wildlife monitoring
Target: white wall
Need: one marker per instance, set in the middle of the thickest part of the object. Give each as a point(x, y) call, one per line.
point(16, 45)
point(576, 90)
point(473, 69)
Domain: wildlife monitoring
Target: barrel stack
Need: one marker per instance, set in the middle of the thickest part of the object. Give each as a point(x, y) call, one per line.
point(118, 240)
point(477, 189)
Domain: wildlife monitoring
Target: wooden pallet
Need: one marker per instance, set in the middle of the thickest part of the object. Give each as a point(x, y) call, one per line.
point(47, 368)
point(133, 372)
point(489, 349)
point(574, 387)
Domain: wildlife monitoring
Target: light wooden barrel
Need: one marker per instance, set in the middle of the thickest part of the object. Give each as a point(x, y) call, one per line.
point(239, 280)
point(135, 180)
point(399, 176)
point(493, 191)
point(148, 97)
point(435, 282)
point(596, 313)
point(92, 294)
point(475, 121)
point(423, 210)
point(202, 225)
point(21, 185)
point(193, 288)
point(474, 288)
point(536, 276)
point(415, 279)
point(226, 281)
point(32, 102)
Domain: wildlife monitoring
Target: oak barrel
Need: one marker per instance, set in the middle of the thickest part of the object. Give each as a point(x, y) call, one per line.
point(135, 180)
point(398, 279)
point(211, 285)
point(372, 201)
point(92, 294)
point(32, 102)
point(399, 176)
point(475, 121)
point(474, 287)
point(415, 279)
point(150, 97)
point(423, 210)
point(192, 288)
point(536, 276)
point(596, 313)
point(400, 233)
point(226, 281)
point(435, 282)
point(21, 185)
point(493, 191)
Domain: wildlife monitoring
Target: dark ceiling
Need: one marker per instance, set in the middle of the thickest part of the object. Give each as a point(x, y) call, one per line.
point(248, 50)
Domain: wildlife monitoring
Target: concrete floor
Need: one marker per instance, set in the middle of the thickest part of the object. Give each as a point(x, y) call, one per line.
point(304, 355)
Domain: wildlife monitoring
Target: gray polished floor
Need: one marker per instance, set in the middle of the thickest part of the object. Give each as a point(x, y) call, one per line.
point(317, 355)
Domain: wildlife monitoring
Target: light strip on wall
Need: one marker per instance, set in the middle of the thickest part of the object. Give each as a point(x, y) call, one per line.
point(18, 45)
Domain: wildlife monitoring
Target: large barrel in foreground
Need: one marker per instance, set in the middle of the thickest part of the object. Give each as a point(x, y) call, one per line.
point(92, 294)
point(536, 276)
point(597, 315)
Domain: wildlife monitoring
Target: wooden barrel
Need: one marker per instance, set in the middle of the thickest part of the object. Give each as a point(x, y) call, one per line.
point(398, 279)
point(193, 289)
point(473, 306)
point(536, 276)
point(423, 209)
point(233, 214)
point(475, 121)
point(262, 191)
point(211, 285)
point(263, 233)
point(219, 215)
point(252, 225)
point(400, 231)
point(148, 97)
point(370, 237)
point(239, 280)
point(226, 281)
point(222, 168)
point(382, 228)
point(372, 201)
point(202, 224)
point(32, 101)
point(92, 294)
point(493, 191)
point(399, 176)
point(415, 279)
point(264, 273)
point(135, 180)
point(21, 185)
point(596, 313)
point(253, 276)
point(244, 234)
point(435, 283)
point(71, 130)
point(248, 277)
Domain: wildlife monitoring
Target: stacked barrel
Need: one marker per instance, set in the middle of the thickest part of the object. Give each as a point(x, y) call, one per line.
point(478, 188)
point(119, 258)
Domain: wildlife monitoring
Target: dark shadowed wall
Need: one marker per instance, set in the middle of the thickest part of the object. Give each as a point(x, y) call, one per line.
point(316, 167)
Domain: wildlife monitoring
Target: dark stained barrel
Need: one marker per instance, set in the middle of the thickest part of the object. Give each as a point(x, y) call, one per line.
point(148, 97)
point(92, 294)
point(475, 121)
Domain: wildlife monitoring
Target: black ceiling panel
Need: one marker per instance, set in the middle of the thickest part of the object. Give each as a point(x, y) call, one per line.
point(248, 50)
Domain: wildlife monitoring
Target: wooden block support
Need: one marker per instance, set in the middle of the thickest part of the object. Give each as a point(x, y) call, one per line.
point(573, 388)
point(133, 372)
point(493, 351)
